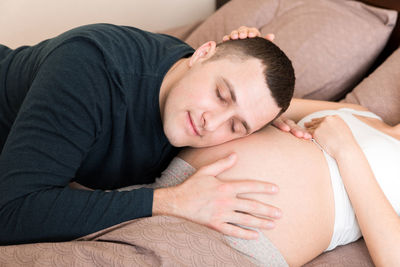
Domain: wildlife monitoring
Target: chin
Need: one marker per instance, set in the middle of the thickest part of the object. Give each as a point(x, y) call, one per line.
point(175, 140)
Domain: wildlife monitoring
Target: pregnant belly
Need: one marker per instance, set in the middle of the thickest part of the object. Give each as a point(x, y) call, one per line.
point(305, 197)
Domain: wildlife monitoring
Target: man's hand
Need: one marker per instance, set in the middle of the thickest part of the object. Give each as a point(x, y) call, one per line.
point(246, 32)
point(207, 200)
point(288, 125)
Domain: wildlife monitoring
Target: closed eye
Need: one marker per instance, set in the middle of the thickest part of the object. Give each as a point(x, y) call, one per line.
point(237, 127)
point(219, 96)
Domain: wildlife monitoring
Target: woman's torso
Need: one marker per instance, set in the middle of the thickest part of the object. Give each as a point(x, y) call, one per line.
point(300, 170)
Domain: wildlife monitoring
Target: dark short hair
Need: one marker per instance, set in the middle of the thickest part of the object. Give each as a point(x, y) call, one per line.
point(278, 69)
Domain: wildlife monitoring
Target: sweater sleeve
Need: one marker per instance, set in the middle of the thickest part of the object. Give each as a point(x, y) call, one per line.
point(58, 122)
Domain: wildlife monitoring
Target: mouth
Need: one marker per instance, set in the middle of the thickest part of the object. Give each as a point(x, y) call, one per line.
point(192, 125)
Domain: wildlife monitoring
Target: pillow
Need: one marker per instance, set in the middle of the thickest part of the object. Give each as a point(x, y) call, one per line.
point(172, 241)
point(380, 91)
point(151, 241)
point(235, 13)
point(351, 255)
point(332, 43)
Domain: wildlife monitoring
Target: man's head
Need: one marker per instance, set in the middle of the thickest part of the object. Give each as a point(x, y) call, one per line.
point(225, 91)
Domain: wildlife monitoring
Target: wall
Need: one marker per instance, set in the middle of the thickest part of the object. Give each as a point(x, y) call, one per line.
point(28, 22)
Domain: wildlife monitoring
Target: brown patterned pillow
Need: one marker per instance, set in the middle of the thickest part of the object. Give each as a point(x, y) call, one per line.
point(331, 43)
point(152, 241)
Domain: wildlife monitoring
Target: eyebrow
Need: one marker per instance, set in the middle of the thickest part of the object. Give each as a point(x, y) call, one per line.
point(233, 96)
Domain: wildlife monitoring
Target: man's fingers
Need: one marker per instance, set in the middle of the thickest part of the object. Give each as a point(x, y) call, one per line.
point(242, 187)
point(236, 231)
point(220, 165)
point(251, 221)
point(257, 208)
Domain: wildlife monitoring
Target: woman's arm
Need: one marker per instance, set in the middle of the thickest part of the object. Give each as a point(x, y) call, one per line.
point(300, 108)
point(379, 223)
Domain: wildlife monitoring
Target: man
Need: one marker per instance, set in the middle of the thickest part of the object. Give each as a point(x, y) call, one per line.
point(106, 106)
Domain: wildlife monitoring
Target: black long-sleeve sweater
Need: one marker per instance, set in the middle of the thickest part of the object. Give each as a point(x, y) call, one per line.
point(84, 107)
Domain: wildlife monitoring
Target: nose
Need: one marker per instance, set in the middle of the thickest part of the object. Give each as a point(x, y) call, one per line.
point(213, 120)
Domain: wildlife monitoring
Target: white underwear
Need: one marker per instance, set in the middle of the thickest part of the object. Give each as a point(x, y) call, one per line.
point(382, 152)
point(346, 229)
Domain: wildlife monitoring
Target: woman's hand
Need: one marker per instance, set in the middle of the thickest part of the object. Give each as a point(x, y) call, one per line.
point(378, 220)
point(246, 32)
point(331, 133)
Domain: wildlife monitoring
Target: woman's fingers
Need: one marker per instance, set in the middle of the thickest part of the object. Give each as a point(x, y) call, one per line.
point(281, 125)
point(234, 34)
point(243, 32)
point(225, 38)
point(270, 37)
point(296, 130)
point(288, 125)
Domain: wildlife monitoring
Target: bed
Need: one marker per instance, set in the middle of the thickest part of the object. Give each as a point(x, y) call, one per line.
point(370, 70)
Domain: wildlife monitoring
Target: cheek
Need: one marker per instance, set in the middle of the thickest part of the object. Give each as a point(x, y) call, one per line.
point(185, 95)
point(222, 135)
point(206, 99)
point(176, 98)
point(200, 90)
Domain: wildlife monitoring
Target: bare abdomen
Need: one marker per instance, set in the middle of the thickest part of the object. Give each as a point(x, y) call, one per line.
point(300, 170)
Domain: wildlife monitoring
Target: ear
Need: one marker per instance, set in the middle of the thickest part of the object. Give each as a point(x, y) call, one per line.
point(202, 53)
